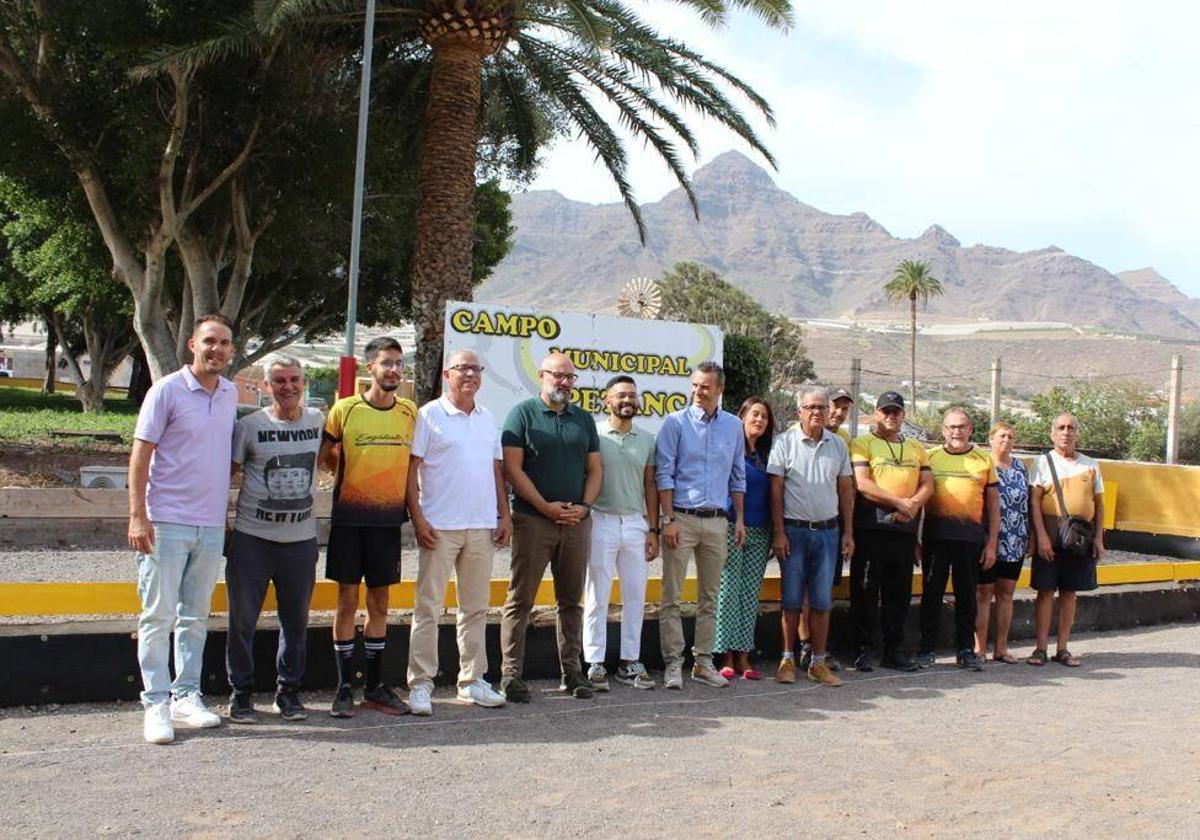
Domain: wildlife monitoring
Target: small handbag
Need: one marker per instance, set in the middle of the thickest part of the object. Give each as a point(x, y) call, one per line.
point(1074, 534)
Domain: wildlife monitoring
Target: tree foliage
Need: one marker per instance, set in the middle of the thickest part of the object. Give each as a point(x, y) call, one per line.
point(693, 292)
point(1116, 419)
point(747, 370)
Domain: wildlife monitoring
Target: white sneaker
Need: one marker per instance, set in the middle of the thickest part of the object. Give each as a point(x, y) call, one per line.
point(598, 677)
point(482, 694)
point(156, 724)
point(673, 676)
point(190, 709)
point(420, 701)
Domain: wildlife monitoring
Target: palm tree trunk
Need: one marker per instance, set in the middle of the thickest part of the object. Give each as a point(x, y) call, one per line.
point(912, 383)
point(441, 266)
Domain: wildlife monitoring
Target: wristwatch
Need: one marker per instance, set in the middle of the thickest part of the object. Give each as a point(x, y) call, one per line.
point(665, 520)
point(588, 508)
point(656, 531)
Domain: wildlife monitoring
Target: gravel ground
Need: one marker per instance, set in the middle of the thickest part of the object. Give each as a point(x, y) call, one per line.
point(92, 565)
point(1110, 749)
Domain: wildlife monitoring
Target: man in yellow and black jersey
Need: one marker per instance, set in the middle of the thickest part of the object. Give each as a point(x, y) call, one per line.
point(962, 529)
point(368, 441)
point(891, 474)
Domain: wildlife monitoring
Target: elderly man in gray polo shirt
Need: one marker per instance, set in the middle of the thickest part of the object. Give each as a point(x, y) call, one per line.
point(811, 488)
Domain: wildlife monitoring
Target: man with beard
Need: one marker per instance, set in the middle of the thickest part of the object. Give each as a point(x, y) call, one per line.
point(178, 495)
point(624, 538)
point(552, 460)
point(274, 539)
point(368, 440)
point(894, 482)
point(459, 508)
point(839, 410)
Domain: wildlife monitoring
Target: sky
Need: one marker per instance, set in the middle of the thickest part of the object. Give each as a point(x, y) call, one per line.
point(1016, 124)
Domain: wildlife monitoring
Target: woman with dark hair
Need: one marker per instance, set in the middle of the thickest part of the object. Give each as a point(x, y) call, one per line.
point(741, 579)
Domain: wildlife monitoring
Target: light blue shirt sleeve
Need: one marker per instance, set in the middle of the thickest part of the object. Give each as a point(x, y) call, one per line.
point(737, 475)
point(666, 449)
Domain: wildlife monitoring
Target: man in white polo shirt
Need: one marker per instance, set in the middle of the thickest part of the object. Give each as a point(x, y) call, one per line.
point(458, 505)
point(178, 498)
point(811, 490)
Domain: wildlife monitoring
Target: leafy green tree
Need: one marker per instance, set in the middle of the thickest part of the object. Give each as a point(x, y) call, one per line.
point(693, 292)
point(559, 55)
point(1148, 440)
point(911, 281)
point(747, 370)
point(1109, 414)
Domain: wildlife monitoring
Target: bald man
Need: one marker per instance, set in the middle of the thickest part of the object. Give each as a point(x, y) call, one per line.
point(552, 460)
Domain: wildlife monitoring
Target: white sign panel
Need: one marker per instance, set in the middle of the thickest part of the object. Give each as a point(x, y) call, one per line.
point(659, 355)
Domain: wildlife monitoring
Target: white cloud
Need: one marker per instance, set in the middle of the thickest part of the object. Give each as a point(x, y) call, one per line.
point(1016, 124)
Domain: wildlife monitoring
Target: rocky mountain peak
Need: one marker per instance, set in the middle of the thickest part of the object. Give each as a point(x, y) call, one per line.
point(940, 237)
point(733, 170)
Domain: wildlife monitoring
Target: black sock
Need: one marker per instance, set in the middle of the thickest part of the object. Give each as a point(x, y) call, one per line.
point(343, 655)
point(374, 660)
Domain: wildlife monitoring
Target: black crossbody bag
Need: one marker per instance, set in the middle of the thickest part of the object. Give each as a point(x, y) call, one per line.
point(1074, 534)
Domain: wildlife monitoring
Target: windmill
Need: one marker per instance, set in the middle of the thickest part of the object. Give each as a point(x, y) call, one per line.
point(640, 298)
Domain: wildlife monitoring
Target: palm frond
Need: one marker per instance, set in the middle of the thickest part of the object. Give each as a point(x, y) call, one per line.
point(235, 38)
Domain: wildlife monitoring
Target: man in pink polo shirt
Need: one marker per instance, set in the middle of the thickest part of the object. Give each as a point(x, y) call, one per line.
point(178, 497)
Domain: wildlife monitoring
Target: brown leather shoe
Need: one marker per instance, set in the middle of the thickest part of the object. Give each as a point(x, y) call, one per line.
point(819, 672)
point(786, 672)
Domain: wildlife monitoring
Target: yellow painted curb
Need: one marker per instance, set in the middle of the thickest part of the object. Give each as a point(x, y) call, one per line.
point(23, 599)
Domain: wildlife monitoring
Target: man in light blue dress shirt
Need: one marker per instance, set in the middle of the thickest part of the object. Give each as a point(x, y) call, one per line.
point(700, 465)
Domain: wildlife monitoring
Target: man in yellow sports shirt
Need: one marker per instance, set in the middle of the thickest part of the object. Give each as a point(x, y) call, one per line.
point(368, 441)
point(962, 529)
point(893, 480)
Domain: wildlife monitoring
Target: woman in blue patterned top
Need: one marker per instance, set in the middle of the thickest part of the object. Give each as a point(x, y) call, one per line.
point(741, 578)
point(1001, 579)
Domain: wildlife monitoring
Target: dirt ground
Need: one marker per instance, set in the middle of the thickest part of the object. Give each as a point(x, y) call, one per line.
point(1110, 749)
point(22, 465)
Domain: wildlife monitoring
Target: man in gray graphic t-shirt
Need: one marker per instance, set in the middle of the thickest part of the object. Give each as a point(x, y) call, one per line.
point(274, 538)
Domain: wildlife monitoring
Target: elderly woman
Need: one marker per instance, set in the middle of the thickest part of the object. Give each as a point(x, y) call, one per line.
point(1000, 580)
point(741, 578)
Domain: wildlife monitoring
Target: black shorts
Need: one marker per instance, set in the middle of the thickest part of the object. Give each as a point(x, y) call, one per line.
point(355, 553)
point(1068, 573)
point(1007, 571)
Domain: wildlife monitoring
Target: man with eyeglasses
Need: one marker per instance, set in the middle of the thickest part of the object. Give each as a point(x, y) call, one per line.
point(458, 505)
point(894, 482)
point(552, 460)
point(962, 531)
point(700, 465)
point(811, 493)
point(368, 441)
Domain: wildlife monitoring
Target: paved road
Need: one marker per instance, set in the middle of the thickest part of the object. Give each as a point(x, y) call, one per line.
point(1109, 749)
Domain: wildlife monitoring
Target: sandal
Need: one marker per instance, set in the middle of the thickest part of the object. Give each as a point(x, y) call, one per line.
point(1065, 657)
point(751, 674)
point(1038, 657)
point(728, 673)
point(1006, 658)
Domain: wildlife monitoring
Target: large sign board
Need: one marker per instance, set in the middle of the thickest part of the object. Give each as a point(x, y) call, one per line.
point(659, 355)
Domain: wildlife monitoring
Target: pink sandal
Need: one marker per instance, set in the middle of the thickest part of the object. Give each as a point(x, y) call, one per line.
point(751, 674)
point(728, 673)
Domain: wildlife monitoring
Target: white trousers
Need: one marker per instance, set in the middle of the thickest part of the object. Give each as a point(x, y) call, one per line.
point(618, 548)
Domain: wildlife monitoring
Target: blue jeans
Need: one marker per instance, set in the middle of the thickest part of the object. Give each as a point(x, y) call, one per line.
point(809, 568)
point(175, 583)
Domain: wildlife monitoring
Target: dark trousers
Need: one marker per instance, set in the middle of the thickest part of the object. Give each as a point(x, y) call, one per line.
point(959, 560)
point(881, 570)
point(252, 564)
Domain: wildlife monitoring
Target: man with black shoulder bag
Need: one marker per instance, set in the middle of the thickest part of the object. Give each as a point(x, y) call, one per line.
point(1067, 511)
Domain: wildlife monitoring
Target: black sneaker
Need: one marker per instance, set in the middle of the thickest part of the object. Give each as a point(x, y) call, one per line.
point(514, 689)
point(832, 663)
point(343, 702)
point(862, 662)
point(899, 662)
point(383, 699)
point(805, 656)
point(576, 684)
point(968, 660)
point(287, 703)
point(241, 708)
point(925, 659)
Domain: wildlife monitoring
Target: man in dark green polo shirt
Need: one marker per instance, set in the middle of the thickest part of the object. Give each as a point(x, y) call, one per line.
point(552, 461)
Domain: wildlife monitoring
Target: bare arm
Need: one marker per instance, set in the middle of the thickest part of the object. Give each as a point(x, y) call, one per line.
point(780, 546)
point(739, 513)
point(1098, 522)
point(666, 504)
point(328, 454)
point(991, 509)
point(595, 474)
point(1045, 548)
point(426, 535)
point(141, 532)
point(924, 489)
point(503, 515)
point(845, 487)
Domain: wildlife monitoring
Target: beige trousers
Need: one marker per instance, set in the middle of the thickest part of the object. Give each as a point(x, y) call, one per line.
point(468, 553)
point(703, 539)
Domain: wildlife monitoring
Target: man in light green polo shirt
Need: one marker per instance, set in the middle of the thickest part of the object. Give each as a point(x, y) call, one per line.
point(624, 537)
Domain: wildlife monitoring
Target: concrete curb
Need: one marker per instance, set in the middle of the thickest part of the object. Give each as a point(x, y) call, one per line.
point(96, 660)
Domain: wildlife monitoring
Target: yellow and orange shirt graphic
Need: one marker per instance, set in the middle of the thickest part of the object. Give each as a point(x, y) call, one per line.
point(373, 469)
point(896, 467)
point(956, 511)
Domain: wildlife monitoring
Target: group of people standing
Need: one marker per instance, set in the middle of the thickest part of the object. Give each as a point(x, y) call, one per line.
point(591, 501)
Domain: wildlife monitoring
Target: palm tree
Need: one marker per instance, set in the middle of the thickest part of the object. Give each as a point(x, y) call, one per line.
point(911, 280)
point(550, 55)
